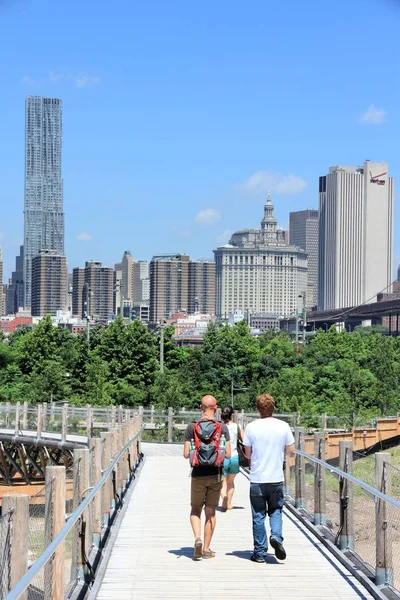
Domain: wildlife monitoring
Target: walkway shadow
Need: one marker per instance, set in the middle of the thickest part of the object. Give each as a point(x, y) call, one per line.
point(245, 554)
point(219, 508)
point(185, 551)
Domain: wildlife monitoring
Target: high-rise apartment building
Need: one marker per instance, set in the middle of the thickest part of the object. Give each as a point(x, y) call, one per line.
point(201, 287)
point(168, 285)
point(355, 234)
point(43, 211)
point(257, 272)
point(303, 232)
point(101, 283)
point(15, 291)
point(78, 282)
point(49, 283)
point(141, 282)
point(117, 288)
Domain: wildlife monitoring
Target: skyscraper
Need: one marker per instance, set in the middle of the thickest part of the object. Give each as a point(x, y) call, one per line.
point(202, 286)
point(258, 272)
point(168, 285)
point(49, 283)
point(355, 234)
point(303, 232)
point(101, 284)
point(141, 282)
point(15, 291)
point(127, 275)
point(43, 211)
point(78, 281)
point(2, 298)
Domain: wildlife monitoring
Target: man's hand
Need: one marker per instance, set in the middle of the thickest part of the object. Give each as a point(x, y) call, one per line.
point(186, 450)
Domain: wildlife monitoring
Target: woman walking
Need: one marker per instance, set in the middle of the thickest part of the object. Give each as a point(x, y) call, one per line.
point(231, 465)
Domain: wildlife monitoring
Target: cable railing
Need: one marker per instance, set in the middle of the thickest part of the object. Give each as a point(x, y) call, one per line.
point(359, 518)
point(74, 523)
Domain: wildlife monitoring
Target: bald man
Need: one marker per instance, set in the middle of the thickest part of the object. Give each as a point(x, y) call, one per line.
point(206, 484)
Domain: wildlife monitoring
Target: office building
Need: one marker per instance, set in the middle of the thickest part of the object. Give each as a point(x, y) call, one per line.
point(100, 281)
point(49, 283)
point(140, 282)
point(168, 285)
point(78, 282)
point(355, 234)
point(15, 290)
point(201, 287)
point(258, 272)
point(303, 232)
point(43, 211)
point(127, 275)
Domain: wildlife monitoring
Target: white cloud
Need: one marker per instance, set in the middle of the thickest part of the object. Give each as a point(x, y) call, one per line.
point(374, 115)
point(84, 237)
point(262, 181)
point(208, 216)
point(78, 79)
point(224, 237)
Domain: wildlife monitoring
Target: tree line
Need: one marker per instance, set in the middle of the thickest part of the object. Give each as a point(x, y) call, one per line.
point(354, 376)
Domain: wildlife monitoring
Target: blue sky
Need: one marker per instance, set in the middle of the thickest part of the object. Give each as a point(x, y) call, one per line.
point(178, 116)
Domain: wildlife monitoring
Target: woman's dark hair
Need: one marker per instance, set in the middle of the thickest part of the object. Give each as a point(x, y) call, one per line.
point(226, 413)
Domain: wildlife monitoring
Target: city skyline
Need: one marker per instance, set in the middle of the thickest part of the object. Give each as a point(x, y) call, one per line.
point(169, 135)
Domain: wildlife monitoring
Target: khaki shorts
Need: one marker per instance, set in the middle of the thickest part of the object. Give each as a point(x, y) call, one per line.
point(205, 491)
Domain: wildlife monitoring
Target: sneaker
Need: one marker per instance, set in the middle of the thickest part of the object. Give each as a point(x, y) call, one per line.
point(198, 549)
point(257, 558)
point(280, 551)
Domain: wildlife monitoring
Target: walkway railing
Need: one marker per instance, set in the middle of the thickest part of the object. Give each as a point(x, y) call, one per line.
point(361, 518)
point(75, 522)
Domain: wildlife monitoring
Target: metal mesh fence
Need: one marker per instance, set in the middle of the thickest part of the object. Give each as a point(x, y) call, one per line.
point(364, 530)
point(5, 552)
point(309, 476)
point(40, 535)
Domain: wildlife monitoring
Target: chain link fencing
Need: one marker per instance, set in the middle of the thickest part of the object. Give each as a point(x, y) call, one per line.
point(6, 522)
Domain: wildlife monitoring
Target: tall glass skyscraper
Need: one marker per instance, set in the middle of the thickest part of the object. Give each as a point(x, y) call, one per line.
point(43, 211)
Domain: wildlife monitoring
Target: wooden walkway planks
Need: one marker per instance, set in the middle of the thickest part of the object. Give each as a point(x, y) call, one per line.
point(151, 557)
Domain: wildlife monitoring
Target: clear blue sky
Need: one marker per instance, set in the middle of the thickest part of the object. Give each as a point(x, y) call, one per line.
point(174, 107)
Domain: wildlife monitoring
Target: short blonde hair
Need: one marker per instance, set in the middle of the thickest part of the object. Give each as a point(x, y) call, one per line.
point(265, 405)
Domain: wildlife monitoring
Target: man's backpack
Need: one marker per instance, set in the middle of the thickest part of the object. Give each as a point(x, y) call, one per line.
point(207, 451)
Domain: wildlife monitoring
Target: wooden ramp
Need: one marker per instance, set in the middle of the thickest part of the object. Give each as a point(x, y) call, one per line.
point(152, 555)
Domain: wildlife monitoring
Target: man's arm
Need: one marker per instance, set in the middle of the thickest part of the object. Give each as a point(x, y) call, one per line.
point(188, 437)
point(289, 450)
point(186, 450)
point(247, 451)
point(247, 443)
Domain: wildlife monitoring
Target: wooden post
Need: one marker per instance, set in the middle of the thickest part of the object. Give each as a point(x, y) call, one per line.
point(89, 421)
point(151, 414)
point(120, 414)
point(299, 465)
point(114, 450)
point(97, 508)
point(113, 414)
point(54, 572)
point(324, 421)
point(319, 481)
point(17, 416)
point(39, 421)
point(81, 481)
point(346, 496)
point(20, 530)
point(51, 410)
point(25, 415)
point(106, 436)
point(64, 422)
point(383, 521)
point(170, 425)
point(286, 474)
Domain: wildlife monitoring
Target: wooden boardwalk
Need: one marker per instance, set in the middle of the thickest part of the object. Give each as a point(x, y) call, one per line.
point(152, 555)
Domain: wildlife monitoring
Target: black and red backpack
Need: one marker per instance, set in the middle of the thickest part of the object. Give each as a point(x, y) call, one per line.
point(207, 451)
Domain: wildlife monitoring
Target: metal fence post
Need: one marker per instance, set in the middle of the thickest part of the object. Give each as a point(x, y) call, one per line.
point(383, 524)
point(319, 481)
point(346, 540)
point(299, 466)
point(19, 503)
point(170, 425)
point(54, 571)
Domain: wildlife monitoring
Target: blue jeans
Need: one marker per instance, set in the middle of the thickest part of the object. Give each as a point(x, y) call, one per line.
point(266, 498)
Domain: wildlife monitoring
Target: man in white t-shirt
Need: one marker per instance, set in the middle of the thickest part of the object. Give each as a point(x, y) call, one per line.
point(266, 442)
